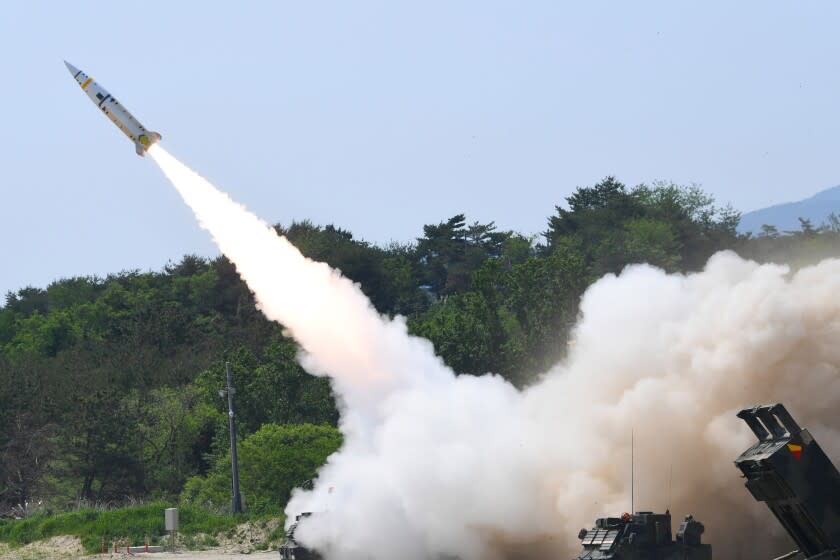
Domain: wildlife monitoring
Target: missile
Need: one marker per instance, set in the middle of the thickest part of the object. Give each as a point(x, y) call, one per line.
point(119, 115)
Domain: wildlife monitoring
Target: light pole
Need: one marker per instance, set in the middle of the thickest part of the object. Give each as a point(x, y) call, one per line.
point(229, 391)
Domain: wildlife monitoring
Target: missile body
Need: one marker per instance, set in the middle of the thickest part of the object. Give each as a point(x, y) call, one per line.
point(118, 114)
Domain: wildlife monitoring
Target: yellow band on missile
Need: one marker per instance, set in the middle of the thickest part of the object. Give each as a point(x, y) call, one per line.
point(87, 83)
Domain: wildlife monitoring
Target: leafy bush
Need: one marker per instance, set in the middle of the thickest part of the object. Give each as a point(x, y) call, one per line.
point(272, 461)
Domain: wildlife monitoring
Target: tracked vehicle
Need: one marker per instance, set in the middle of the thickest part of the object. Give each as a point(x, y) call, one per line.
point(644, 535)
point(786, 469)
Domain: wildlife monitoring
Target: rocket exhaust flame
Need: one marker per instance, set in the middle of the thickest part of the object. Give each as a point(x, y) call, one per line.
point(439, 465)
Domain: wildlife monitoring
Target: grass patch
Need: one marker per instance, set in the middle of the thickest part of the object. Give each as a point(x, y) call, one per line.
point(201, 541)
point(129, 524)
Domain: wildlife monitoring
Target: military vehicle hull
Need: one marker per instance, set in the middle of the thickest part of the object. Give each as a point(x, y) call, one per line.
point(643, 536)
point(293, 550)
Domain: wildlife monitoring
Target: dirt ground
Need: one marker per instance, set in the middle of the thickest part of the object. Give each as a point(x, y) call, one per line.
point(69, 548)
point(239, 543)
point(187, 555)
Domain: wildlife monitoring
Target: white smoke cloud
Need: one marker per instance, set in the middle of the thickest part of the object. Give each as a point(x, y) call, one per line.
point(438, 465)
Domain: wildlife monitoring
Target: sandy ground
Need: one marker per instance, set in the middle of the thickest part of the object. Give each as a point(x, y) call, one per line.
point(68, 548)
point(187, 555)
point(239, 544)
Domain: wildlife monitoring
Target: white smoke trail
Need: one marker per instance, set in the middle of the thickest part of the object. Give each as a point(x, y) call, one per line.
point(437, 465)
point(340, 332)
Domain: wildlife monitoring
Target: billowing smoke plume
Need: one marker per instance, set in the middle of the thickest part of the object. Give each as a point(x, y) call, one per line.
point(436, 465)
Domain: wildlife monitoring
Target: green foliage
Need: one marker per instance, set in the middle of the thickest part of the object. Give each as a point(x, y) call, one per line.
point(543, 294)
point(271, 387)
point(403, 283)
point(451, 251)
point(110, 385)
point(466, 332)
point(513, 322)
point(667, 225)
point(176, 428)
point(650, 241)
point(272, 461)
point(131, 524)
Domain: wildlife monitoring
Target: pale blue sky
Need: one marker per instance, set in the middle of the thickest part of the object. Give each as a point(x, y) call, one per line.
point(382, 116)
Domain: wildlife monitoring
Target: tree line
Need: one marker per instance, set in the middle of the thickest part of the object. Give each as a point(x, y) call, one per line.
point(109, 386)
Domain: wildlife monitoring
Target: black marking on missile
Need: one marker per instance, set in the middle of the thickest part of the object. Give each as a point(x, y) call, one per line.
point(77, 74)
point(104, 99)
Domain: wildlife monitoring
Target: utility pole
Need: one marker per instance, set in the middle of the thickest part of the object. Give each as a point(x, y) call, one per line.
point(229, 391)
point(632, 470)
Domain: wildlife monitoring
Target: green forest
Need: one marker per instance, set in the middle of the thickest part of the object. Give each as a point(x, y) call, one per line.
point(110, 386)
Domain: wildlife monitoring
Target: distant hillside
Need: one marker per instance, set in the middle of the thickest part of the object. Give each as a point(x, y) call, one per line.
point(786, 216)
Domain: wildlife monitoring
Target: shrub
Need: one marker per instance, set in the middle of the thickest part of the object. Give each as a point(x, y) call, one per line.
point(272, 461)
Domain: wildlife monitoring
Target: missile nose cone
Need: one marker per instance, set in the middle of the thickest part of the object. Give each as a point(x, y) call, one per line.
point(73, 70)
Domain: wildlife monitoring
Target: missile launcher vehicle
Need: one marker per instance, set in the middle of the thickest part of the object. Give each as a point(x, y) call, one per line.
point(787, 470)
point(644, 535)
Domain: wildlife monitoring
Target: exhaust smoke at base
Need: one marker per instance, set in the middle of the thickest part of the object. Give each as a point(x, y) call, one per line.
point(435, 465)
